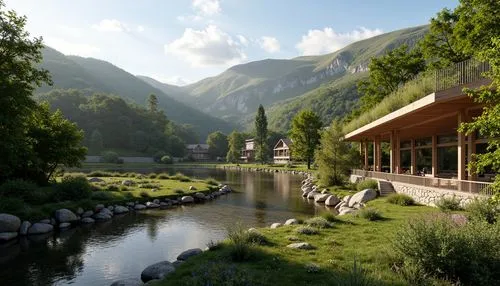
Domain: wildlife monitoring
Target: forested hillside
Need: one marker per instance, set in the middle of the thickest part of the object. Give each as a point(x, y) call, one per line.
point(71, 72)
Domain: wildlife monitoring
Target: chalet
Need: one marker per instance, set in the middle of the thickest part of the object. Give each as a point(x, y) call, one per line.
point(197, 152)
point(248, 153)
point(427, 152)
point(281, 151)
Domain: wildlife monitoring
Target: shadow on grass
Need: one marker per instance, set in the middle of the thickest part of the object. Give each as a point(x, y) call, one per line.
point(263, 268)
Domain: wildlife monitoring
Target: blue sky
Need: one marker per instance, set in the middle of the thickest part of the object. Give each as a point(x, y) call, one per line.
point(182, 41)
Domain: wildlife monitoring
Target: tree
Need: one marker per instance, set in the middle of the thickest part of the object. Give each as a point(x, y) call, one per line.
point(19, 76)
point(387, 73)
point(488, 124)
point(152, 103)
point(336, 157)
point(441, 46)
point(261, 135)
point(305, 135)
point(96, 144)
point(54, 141)
point(217, 144)
point(236, 142)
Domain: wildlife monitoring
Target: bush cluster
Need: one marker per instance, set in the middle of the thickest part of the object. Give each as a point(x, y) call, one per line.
point(483, 210)
point(448, 204)
point(307, 230)
point(73, 188)
point(438, 247)
point(370, 214)
point(319, 222)
point(367, 184)
point(400, 199)
point(111, 157)
point(242, 241)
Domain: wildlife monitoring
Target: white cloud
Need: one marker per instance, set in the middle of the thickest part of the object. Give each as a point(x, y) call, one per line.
point(327, 40)
point(113, 25)
point(189, 18)
point(207, 7)
point(243, 40)
point(70, 48)
point(208, 47)
point(269, 44)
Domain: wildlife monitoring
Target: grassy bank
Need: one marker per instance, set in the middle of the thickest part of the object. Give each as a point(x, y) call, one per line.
point(331, 262)
point(111, 190)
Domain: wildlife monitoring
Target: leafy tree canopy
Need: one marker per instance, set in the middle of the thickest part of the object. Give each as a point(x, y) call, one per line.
point(217, 144)
point(305, 134)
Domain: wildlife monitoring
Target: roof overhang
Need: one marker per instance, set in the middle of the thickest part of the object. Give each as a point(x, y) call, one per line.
point(433, 114)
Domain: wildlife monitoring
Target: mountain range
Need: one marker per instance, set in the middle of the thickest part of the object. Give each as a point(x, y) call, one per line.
point(325, 83)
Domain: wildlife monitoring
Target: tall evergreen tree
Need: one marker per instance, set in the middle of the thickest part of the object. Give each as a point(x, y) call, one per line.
point(152, 103)
point(261, 135)
point(305, 135)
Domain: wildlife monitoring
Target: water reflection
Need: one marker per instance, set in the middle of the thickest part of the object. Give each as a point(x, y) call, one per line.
point(121, 248)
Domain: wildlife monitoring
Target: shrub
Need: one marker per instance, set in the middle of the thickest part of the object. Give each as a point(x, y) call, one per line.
point(400, 199)
point(240, 248)
point(370, 214)
point(212, 182)
point(102, 196)
point(441, 248)
point(367, 184)
point(448, 204)
point(11, 205)
point(166, 160)
point(73, 188)
point(152, 176)
point(99, 174)
point(181, 177)
point(329, 217)
point(113, 188)
point(158, 156)
point(18, 188)
point(307, 230)
point(256, 237)
point(163, 176)
point(483, 210)
point(145, 194)
point(111, 157)
point(318, 221)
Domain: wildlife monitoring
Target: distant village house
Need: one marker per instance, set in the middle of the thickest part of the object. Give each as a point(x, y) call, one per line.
point(248, 153)
point(282, 152)
point(197, 152)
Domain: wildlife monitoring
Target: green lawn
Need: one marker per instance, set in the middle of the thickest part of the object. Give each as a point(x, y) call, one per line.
point(351, 238)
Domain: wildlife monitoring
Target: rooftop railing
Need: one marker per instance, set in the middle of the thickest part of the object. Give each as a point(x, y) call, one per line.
point(475, 187)
point(460, 73)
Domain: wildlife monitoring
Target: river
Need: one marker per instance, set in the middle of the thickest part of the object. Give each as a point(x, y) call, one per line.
point(121, 248)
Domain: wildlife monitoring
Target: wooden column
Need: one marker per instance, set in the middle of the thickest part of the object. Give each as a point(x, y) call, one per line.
point(398, 152)
point(377, 160)
point(461, 147)
point(392, 160)
point(413, 167)
point(365, 146)
point(434, 156)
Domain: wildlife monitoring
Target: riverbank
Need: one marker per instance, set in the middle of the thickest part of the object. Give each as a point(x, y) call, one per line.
point(294, 169)
point(331, 259)
point(108, 189)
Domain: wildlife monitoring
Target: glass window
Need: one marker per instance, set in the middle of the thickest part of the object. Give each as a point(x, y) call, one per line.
point(405, 158)
point(423, 142)
point(424, 160)
point(448, 160)
point(443, 139)
point(405, 144)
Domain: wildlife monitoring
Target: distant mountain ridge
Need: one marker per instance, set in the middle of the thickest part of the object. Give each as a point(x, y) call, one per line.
point(235, 94)
point(73, 72)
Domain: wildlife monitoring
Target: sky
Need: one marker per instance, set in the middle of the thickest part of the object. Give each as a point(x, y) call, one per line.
point(183, 41)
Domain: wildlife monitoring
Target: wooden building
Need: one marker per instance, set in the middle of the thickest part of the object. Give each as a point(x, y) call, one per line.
point(281, 151)
point(197, 152)
point(426, 147)
point(248, 153)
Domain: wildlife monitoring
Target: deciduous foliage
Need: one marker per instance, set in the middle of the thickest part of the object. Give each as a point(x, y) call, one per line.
point(261, 135)
point(488, 124)
point(19, 76)
point(336, 157)
point(387, 73)
point(217, 144)
point(152, 103)
point(236, 141)
point(53, 141)
point(441, 46)
point(305, 134)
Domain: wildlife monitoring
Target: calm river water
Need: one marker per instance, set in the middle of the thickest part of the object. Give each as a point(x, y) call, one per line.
point(102, 253)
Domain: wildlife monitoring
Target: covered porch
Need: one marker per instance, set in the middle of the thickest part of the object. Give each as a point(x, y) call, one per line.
point(424, 145)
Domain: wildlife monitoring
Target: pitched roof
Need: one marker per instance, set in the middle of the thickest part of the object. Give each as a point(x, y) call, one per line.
point(286, 141)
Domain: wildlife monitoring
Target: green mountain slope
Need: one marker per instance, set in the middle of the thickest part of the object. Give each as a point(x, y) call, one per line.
point(173, 91)
point(275, 83)
point(100, 76)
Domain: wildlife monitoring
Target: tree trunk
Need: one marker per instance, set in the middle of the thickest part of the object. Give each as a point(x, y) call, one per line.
point(308, 163)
